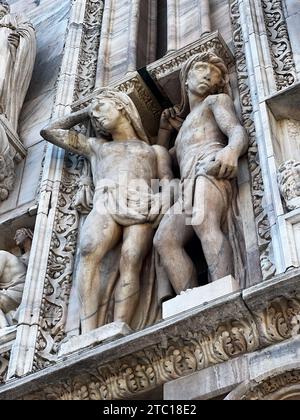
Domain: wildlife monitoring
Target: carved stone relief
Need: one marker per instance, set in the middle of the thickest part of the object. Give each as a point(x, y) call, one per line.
point(18, 50)
point(87, 66)
point(262, 222)
point(12, 279)
point(283, 386)
point(289, 183)
point(282, 55)
point(182, 350)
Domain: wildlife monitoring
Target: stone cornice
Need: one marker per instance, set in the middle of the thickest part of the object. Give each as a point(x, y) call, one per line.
point(205, 336)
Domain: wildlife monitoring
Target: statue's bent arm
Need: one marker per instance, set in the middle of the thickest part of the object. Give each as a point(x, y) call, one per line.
point(164, 163)
point(61, 134)
point(228, 122)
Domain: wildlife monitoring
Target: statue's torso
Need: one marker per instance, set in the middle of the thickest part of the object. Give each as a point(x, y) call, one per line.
point(13, 270)
point(199, 131)
point(123, 160)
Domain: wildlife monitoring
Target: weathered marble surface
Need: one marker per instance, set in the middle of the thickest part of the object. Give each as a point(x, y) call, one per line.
point(50, 20)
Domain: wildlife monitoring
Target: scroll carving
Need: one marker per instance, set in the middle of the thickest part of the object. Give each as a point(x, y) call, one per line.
point(262, 222)
point(181, 355)
point(281, 51)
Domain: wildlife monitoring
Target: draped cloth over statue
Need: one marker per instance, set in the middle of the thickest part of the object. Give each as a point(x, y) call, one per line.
point(127, 207)
point(16, 65)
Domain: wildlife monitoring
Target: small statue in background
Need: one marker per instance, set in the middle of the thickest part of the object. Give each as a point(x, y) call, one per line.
point(17, 56)
point(12, 277)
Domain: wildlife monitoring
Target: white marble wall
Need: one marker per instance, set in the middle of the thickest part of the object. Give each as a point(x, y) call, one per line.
point(50, 19)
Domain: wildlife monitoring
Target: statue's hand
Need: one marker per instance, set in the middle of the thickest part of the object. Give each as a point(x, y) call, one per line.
point(225, 165)
point(170, 120)
point(14, 39)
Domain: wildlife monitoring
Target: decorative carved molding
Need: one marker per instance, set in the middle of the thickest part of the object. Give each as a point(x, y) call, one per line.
point(280, 47)
point(277, 387)
point(60, 268)
point(279, 320)
point(87, 66)
point(173, 62)
point(185, 348)
point(4, 360)
point(289, 183)
point(262, 222)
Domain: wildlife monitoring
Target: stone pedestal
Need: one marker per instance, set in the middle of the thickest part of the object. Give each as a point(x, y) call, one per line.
point(105, 333)
point(200, 295)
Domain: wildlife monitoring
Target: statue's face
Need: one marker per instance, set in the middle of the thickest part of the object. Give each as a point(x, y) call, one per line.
point(20, 237)
point(204, 79)
point(106, 114)
point(3, 11)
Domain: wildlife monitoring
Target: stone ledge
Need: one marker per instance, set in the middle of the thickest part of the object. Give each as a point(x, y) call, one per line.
point(208, 335)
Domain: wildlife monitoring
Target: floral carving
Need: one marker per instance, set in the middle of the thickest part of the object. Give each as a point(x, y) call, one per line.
point(182, 353)
point(280, 320)
point(87, 66)
point(281, 51)
point(262, 222)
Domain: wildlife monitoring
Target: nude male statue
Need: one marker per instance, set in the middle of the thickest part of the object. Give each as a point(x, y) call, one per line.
point(12, 275)
point(120, 214)
point(209, 144)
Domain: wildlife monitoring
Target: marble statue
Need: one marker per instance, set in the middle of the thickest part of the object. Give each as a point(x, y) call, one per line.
point(12, 277)
point(17, 56)
point(208, 147)
point(125, 209)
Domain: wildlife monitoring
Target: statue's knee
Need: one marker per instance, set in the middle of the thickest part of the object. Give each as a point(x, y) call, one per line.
point(130, 258)
point(87, 248)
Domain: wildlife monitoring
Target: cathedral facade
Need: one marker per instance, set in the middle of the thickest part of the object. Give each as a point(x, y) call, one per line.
point(149, 199)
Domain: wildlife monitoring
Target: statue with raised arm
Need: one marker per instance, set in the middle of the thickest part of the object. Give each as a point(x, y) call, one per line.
point(124, 214)
point(12, 276)
point(17, 56)
point(208, 147)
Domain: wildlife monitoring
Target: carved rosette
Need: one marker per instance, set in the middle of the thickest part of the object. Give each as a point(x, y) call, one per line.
point(262, 222)
point(4, 361)
point(280, 46)
point(289, 183)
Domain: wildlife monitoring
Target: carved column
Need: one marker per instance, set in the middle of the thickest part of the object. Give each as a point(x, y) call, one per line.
point(53, 184)
point(259, 26)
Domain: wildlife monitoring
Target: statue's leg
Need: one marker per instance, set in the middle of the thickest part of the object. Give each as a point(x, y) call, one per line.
point(209, 209)
point(170, 239)
point(137, 243)
point(100, 234)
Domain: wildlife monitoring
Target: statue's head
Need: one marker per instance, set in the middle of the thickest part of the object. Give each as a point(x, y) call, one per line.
point(202, 75)
point(4, 8)
point(22, 235)
point(109, 107)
